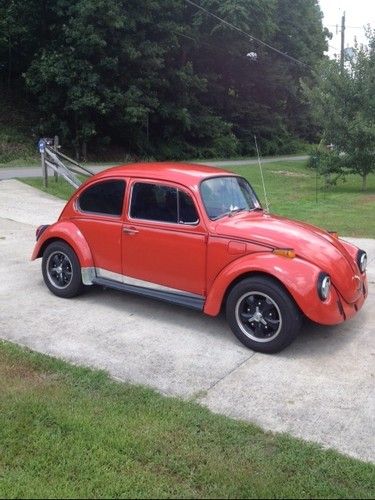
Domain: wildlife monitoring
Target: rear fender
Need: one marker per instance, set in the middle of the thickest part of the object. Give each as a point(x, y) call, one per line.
point(298, 276)
point(69, 233)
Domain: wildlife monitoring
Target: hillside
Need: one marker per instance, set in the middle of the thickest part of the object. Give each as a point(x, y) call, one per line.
point(17, 131)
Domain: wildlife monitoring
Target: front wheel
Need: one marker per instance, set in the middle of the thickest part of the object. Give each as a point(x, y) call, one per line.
point(61, 270)
point(262, 314)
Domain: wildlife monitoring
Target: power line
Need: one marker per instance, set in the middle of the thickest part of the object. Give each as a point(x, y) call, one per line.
point(351, 27)
point(223, 51)
point(201, 42)
point(251, 37)
point(184, 36)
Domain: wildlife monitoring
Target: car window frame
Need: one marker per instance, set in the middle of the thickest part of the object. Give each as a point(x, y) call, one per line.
point(162, 183)
point(79, 210)
point(220, 176)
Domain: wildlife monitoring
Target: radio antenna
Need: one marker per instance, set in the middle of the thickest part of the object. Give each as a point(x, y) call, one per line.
point(261, 173)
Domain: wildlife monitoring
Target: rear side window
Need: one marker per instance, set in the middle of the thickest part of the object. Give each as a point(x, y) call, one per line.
point(103, 198)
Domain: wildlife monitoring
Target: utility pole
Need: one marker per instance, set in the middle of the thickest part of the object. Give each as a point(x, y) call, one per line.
point(342, 42)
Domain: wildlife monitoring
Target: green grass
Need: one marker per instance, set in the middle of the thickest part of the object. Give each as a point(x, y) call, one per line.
point(291, 190)
point(71, 432)
point(61, 188)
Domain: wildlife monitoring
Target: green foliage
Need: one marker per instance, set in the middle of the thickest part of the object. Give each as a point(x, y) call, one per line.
point(161, 78)
point(344, 103)
point(329, 164)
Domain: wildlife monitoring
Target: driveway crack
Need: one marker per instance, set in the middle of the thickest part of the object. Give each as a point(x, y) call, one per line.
point(202, 394)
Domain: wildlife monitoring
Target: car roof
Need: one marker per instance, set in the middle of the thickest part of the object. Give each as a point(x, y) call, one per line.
point(185, 173)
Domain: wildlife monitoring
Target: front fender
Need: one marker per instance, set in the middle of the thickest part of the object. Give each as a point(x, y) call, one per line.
point(298, 276)
point(68, 232)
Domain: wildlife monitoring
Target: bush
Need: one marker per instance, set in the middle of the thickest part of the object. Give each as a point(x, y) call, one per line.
point(15, 146)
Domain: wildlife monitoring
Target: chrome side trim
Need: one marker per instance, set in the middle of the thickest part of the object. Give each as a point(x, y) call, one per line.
point(88, 275)
point(104, 273)
point(196, 303)
point(128, 280)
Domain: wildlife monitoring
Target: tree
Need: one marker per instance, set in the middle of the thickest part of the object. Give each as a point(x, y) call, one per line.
point(162, 78)
point(344, 105)
point(261, 95)
point(300, 34)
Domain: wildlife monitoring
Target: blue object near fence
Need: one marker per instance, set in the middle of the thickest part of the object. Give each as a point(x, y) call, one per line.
point(42, 146)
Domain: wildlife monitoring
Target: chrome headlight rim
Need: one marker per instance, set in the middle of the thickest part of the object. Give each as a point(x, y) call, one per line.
point(362, 261)
point(324, 286)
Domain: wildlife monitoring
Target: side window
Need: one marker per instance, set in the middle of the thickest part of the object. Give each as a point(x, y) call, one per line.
point(103, 198)
point(154, 202)
point(187, 211)
point(162, 203)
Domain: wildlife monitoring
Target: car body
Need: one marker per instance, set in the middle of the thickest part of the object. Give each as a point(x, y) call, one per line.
point(197, 236)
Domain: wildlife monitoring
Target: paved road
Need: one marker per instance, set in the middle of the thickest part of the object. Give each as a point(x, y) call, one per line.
point(321, 388)
point(21, 172)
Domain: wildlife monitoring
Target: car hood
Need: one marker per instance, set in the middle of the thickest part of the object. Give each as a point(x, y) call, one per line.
point(309, 242)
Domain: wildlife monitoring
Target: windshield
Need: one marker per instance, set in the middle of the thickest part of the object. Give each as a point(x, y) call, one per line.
point(227, 195)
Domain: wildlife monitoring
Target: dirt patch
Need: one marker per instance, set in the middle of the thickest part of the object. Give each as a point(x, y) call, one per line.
point(21, 377)
point(367, 199)
point(288, 173)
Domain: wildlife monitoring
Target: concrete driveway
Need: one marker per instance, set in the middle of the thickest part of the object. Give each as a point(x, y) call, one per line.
point(321, 388)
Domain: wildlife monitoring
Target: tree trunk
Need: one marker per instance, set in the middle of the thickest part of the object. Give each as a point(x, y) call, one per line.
point(84, 151)
point(76, 148)
point(77, 141)
point(9, 64)
point(364, 180)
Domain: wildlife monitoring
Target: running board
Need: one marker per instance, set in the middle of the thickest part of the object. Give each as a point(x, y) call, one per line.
point(173, 298)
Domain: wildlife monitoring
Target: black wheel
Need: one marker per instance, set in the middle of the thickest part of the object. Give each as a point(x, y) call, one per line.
point(61, 270)
point(262, 315)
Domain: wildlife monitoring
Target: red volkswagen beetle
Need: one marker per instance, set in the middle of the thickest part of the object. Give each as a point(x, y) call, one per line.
point(197, 236)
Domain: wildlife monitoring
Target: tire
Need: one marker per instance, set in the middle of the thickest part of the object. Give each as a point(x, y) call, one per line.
point(262, 315)
point(61, 270)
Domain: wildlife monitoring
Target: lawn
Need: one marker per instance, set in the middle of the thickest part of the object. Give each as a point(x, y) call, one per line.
point(61, 188)
point(72, 432)
point(291, 191)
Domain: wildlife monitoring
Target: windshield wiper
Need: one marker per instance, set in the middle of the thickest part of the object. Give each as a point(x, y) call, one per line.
point(235, 211)
point(230, 213)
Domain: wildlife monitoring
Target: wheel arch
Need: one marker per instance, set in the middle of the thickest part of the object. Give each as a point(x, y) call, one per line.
point(255, 274)
point(68, 233)
point(46, 243)
point(296, 276)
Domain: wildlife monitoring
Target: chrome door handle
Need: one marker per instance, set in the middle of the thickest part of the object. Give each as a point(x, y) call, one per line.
point(130, 230)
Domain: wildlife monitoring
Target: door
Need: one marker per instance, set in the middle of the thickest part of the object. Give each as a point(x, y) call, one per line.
point(98, 217)
point(163, 240)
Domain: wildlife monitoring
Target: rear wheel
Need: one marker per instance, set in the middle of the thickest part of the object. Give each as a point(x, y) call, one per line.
point(61, 270)
point(262, 314)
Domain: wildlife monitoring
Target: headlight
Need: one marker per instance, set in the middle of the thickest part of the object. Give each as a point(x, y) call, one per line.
point(324, 286)
point(362, 260)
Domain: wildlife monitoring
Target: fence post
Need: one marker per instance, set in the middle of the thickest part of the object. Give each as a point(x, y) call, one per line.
point(56, 148)
point(44, 169)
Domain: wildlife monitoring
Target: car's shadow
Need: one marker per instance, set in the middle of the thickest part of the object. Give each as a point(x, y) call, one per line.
point(172, 315)
point(312, 340)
